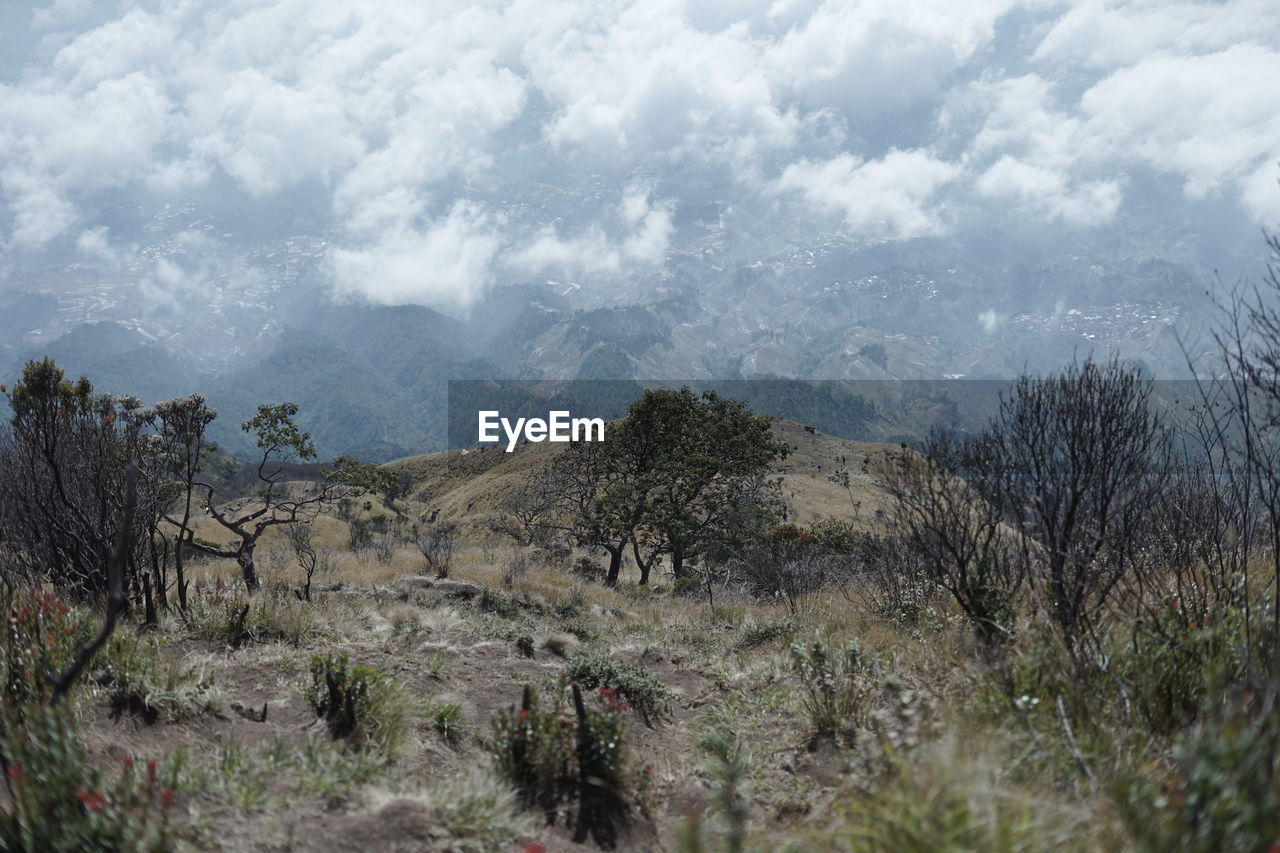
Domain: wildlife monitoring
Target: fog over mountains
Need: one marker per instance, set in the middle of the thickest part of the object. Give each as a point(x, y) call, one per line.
point(346, 205)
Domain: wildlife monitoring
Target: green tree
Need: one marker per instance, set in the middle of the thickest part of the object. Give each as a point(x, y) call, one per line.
point(690, 477)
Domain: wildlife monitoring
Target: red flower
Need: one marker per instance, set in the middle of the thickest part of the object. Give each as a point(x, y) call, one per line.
point(15, 773)
point(532, 847)
point(92, 800)
point(128, 764)
point(151, 770)
point(166, 797)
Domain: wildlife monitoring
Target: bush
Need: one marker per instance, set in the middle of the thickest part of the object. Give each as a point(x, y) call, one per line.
point(61, 802)
point(836, 688)
point(557, 756)
point(41, 638)
point(1224, 789)
point(357, 703)
point(632, 682)
point(533, 749)
point(437, 541)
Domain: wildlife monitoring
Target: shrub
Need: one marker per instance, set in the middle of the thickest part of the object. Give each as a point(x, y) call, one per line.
point(836, 689)
point(357, 703)
point(41, 639)
point(632, 682)
point(1224, 789)
point(533, 749)
point(437, 541)
point(557, 756)
point(587, 569)
point(62, 802)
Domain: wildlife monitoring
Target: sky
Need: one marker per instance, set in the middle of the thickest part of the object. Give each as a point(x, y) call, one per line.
point(425, 133)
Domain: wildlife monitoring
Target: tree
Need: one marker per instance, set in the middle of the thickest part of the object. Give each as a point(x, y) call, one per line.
point(279, 439)
point(704, 482)
point(62, 474)
point(180, 426)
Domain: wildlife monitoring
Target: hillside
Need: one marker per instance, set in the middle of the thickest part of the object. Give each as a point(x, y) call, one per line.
point(468, 486)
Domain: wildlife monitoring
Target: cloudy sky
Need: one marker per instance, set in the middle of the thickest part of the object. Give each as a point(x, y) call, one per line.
point(414, 126)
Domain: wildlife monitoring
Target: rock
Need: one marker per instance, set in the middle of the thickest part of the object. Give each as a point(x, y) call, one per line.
point(457, 588)
point(414, 583)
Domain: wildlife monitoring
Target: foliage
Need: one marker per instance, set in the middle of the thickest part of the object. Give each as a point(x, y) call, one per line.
point(63, 803)
point(1223, 790)
point(632, 682)
point(836, 687)
point(357, 703)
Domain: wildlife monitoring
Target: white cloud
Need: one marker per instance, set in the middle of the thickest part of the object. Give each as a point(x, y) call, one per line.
point(646, 230)
point(419, 121)
point(447, 263)
point(891, 197)
point(1211, 119)
point(1049, 194)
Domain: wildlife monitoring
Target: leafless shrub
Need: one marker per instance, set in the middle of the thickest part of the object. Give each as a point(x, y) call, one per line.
point(517, 567)
point(786, 568)
point(437, 541)
point(958, 533)
point(311, 558)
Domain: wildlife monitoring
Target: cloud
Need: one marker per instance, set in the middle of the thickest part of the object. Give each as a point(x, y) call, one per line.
point(645, 227)
point(492, 122)
point(1049, 194)
point(447, 263)
point(890, 197)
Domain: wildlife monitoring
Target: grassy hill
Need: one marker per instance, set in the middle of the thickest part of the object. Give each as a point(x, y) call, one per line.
point(469, 485)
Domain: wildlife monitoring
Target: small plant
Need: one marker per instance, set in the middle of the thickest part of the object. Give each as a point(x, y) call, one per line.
point(732, 797)
point(357, 703)
point(524, 645)
point(632, 682)
point(446, 718)
point(835, 685)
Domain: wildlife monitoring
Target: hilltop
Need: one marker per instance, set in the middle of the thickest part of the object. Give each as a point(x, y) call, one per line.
point(468, 486)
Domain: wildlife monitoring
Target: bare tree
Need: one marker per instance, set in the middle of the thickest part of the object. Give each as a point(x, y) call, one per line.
point(304, 552)
point(946, 505)
point(1084, 449)
point(437, 541)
